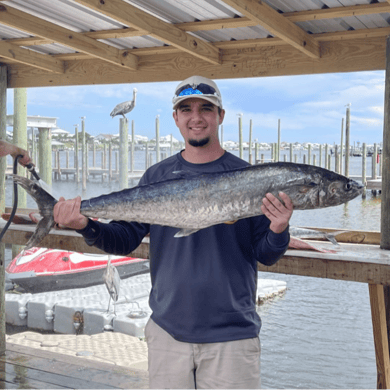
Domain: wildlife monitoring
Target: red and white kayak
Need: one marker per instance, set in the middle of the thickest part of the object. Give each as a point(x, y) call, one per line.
point(42, 269)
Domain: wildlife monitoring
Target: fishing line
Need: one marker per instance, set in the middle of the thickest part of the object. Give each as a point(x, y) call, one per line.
point(15, 204)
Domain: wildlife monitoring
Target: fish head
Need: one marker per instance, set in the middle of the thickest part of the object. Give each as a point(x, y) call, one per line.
point(337, 189)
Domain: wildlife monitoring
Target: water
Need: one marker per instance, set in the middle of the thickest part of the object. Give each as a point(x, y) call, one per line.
point(319, 334)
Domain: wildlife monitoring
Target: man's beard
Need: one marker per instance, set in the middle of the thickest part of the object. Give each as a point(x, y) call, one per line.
point(199, 143)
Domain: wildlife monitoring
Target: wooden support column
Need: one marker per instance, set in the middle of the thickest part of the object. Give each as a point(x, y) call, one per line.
point(123, 153)
point(379, 325)
point(3, 166)
point(20, 139)
point(45, 158)
point(385, 208)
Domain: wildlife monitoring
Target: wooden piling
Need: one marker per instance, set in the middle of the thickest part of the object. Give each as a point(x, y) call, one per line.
point(336, 159)
point(83, 155)
point(123, 153)
point(76, 153)
point(132, 157)
point(364, 175)
point(240, 141)
point(320, 159)
point(347, 139)
point(374, 166)
point(157, 138)
point(45, 158)
point(250, 141)
point(309, 154)
point(110, 161)
point(341, 145)
point(278, 147)
point(20, 139)
point(3, 166)
point(291, 152)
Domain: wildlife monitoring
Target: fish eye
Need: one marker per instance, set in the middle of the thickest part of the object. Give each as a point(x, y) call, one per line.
point(348, 186)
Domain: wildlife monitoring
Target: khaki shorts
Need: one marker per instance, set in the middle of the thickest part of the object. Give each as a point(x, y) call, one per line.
point(177, 365)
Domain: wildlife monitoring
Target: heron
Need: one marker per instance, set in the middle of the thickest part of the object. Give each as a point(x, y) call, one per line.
point(125, 107)
point(112, 281)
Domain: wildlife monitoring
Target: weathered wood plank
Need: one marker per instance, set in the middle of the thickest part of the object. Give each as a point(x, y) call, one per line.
point(378, 315)
point(16, 377)
point(120, 377)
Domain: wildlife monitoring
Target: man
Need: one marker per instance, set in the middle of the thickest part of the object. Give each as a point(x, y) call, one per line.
point(204, 329)
point(7, 148)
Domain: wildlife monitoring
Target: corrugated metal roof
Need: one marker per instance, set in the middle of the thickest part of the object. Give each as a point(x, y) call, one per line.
point(85, 16)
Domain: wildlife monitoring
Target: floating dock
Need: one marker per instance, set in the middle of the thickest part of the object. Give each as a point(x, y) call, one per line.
point(84, 311)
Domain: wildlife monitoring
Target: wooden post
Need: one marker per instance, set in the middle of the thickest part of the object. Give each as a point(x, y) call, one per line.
point(132, 157)
point(291, 152)
point(336, 159)
point(314, 159)
point(347, 138)
point(93, 154)
point(364, 170)
point(146, 156)
point(110, 162)
point(123, 153)
point(250, 141)
point(373, 162)
point(309, 154)
point(83, 155)
point(76, 153)
point(157, 138)
point(256, 152)
point(45, 157)
point(3, 166)
point(320, 159)
point(341, 146)
point(278, 148)
point(240, 141)
point(385, 207)
point(272, 152)
point(20, 139)
point(379, 325)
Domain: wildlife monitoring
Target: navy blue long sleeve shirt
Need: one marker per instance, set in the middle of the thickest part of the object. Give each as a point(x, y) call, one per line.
point(204, 285)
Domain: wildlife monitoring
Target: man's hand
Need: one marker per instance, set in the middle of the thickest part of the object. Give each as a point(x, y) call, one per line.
point(67, 214)
point(278, 213)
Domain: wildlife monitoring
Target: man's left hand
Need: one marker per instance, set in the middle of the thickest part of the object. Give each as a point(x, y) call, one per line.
point(278, 213)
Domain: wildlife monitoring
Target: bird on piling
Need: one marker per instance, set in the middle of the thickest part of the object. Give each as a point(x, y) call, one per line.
point(125, 107)
point(112, 281)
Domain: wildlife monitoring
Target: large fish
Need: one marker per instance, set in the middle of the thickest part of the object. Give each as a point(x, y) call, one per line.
point(299, 232)
point(192, 202)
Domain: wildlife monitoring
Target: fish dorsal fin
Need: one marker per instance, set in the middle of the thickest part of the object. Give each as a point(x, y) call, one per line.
point(185, 232)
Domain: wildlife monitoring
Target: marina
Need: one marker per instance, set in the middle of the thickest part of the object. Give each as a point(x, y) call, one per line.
point(329, 328)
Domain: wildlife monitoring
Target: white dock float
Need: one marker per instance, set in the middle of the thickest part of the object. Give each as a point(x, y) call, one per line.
point(84, 310)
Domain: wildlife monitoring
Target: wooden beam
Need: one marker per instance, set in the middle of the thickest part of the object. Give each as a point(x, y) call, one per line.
point(277, 25)
point(42, 28)
point(338, 56)
point(338, 12)
point(378, 315)
point(32, 58)
point(168, 33)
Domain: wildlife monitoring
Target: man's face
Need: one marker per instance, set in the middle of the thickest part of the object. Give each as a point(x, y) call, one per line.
point(198, 121)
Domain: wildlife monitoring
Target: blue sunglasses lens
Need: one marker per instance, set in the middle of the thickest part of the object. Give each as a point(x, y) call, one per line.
point(190, 91)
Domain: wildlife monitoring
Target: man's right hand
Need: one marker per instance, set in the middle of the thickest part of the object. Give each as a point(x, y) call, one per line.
point(67, 214)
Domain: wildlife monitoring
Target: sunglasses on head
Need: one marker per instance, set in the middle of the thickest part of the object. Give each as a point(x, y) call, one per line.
point(201, 89)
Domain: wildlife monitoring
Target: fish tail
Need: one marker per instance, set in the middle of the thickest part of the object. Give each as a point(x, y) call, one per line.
point(45, 203)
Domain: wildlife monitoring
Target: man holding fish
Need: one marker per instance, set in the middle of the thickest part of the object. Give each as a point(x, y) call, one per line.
point(204, 329)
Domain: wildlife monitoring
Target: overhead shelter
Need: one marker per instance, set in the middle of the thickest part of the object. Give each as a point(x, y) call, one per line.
point(83, 42)
point(78, 42)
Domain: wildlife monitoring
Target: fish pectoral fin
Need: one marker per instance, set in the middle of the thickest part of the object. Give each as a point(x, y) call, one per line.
point(331, 238)
point(305, 189)
point(185, 232)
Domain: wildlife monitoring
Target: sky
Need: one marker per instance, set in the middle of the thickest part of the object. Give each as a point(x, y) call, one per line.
point(310, 107)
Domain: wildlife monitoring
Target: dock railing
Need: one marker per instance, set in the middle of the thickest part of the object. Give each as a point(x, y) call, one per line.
point(358, 259)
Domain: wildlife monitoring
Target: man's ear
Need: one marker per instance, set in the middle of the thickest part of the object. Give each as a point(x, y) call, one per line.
point(221, 116)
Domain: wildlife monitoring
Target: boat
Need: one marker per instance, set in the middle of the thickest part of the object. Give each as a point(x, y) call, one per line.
point(41, 269)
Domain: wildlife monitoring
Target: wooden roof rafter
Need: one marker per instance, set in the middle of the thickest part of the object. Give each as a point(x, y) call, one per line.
point(157, 28)
point(33, 25)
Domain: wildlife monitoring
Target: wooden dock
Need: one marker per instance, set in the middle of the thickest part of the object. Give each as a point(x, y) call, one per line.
point(30, 368)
